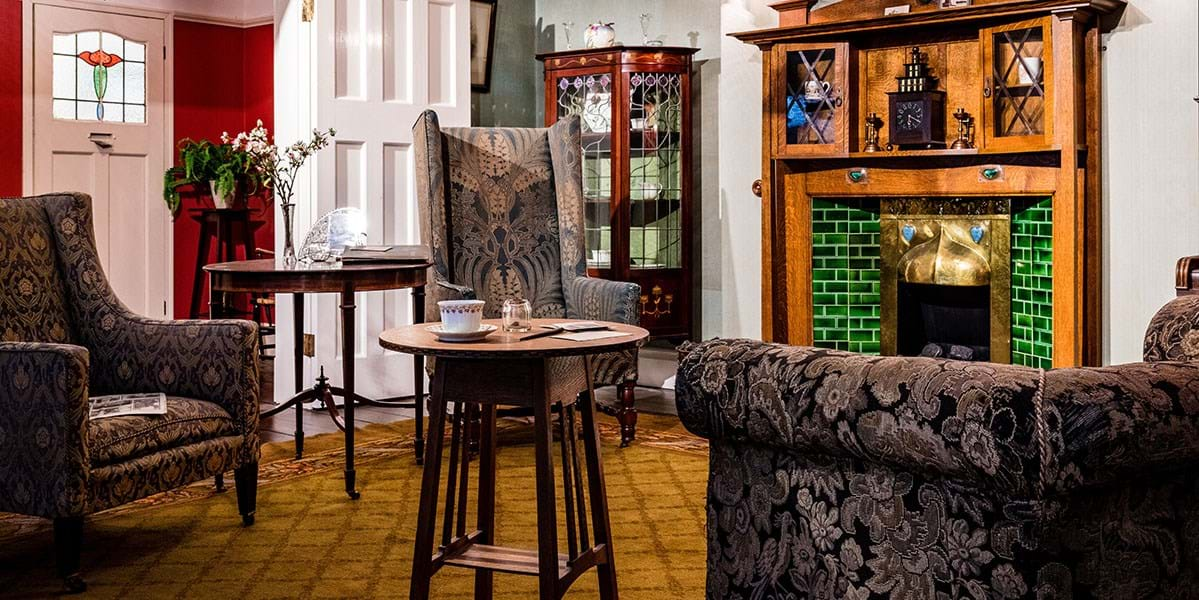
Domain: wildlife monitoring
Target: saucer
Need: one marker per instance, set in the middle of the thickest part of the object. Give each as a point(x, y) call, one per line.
point(469, 336)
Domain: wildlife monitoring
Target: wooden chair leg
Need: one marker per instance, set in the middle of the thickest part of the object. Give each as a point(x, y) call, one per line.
point(68, 544)
point(627, 412)
point(245, 478)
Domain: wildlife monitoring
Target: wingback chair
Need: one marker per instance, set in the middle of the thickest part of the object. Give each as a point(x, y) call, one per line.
point(65, 337)
point(502, 211)
point(836, 475)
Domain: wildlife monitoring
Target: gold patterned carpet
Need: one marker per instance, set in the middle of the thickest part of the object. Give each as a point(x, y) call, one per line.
point(310, 541)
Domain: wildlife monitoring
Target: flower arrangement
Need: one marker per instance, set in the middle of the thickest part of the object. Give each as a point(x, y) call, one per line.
point(277, 168)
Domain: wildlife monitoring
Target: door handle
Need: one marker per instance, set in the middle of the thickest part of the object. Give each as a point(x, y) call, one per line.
point(756, 188)
point(102, 140)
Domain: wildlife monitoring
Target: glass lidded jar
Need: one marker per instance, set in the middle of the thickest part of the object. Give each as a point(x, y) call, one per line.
point(518, 315)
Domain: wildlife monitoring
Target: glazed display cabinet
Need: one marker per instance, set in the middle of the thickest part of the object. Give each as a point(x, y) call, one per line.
point(635, 108)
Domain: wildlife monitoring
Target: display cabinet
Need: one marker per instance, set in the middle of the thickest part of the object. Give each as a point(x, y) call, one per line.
point(634, 104)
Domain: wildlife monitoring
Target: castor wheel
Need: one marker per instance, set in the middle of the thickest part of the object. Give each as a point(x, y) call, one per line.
point(247, 520)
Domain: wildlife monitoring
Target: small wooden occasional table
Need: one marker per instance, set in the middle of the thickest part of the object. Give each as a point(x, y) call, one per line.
point(478, 376)
point(271, 276)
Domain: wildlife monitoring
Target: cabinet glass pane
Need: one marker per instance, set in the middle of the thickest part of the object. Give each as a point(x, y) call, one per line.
point(811, 99)
point(590, 97)
point(655, 175)
point(1018, 93)
point(99, 76)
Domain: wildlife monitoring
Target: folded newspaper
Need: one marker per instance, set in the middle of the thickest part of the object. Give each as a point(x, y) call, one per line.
point(123, 405)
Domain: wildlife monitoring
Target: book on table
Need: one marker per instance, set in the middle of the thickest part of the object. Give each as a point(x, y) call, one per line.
point(386, 254)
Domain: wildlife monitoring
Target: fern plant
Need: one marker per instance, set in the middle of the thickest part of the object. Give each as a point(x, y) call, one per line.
point(203, 162)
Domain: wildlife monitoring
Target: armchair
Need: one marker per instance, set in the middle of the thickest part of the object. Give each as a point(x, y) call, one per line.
point(64, 336)
point(836, 475)
point(502, 212)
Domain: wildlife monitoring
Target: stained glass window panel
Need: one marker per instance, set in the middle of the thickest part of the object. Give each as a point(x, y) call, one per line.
point(590, 97)
point(655, 171)
point(99, 76)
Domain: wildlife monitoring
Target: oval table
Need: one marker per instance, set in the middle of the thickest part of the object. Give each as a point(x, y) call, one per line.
point(272, 276)
point(478, 376)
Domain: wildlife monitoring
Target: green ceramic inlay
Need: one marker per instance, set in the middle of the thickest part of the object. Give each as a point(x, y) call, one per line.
point(1032, 282)
point(846, 257)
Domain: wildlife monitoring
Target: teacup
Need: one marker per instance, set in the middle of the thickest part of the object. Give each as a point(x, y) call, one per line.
point(461, 316)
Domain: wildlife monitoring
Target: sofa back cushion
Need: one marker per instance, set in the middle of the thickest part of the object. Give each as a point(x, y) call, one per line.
point(32, 298)
point(502, 218)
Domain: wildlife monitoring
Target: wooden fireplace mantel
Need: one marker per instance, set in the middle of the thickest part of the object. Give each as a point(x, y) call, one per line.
point(1055, 157)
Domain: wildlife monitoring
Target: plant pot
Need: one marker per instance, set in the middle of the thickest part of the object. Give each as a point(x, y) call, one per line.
point(219, 200)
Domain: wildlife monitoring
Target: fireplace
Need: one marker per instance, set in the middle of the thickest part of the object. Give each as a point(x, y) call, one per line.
point(945, 278)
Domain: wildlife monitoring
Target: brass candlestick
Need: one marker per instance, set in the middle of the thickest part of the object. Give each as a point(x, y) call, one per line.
point(965, 139)
point(874, 125)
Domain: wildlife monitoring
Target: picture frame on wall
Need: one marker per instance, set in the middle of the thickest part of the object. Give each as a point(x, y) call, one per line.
point(482, 43)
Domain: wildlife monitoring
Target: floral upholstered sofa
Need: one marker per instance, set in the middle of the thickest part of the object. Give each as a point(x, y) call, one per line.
point(837, 475)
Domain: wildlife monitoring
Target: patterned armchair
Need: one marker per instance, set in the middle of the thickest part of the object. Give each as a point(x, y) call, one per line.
point(502, 211)
point(64, 337)
point(836, 475)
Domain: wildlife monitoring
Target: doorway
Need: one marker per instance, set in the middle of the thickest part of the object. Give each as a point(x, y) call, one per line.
point(99, 127)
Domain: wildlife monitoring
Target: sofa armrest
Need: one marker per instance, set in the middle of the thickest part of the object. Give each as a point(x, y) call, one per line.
point(1173, 333)
point(974, 422)
point(44, 462)
point(1112, 424)
point(603, 300)
point(207, 360)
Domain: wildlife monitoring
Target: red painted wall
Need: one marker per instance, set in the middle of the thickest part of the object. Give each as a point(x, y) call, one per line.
point(224, 82)
point(10, 98)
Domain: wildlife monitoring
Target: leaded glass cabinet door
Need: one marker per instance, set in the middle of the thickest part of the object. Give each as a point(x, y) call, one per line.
point(812, 113)
point(1018, 86)
point(592, 96)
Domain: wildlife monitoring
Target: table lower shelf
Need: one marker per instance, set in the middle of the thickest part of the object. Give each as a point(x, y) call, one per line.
point(464, 552)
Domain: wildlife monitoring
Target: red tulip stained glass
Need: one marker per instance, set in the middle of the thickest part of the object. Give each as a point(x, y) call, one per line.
point(99, 76)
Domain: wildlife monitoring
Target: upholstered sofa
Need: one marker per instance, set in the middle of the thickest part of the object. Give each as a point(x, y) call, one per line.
point(836, 475)
point(502, 211)
point(65, 337)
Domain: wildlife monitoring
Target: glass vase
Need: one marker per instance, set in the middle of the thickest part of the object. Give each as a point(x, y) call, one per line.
point(289, 246)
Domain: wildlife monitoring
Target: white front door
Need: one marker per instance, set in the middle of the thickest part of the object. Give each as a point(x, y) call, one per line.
point(374, 66)
point(99, 127)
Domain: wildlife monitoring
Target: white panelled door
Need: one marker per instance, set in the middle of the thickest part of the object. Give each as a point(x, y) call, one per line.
point(99, 82)
point(379, 63)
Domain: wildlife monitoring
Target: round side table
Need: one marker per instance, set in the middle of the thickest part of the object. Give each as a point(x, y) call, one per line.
point(476, 377)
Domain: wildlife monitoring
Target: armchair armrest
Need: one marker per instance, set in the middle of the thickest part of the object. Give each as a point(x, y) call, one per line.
point(973, 422)
point(600, 299)
point(1173, 333)
point(44, 460)
point(207, 360)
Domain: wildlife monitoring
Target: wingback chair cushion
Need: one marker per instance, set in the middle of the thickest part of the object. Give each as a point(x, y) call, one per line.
point(32, 297)
point(186, 422)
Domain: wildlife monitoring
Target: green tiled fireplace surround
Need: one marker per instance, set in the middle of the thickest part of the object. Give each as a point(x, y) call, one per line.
point(846, 259)
point(1032, 282)
point(845, 275)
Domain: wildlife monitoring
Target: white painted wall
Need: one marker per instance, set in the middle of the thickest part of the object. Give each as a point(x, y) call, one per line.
point(1151, 165)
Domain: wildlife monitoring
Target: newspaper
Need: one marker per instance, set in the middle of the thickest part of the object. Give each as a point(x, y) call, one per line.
point(121, 405)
